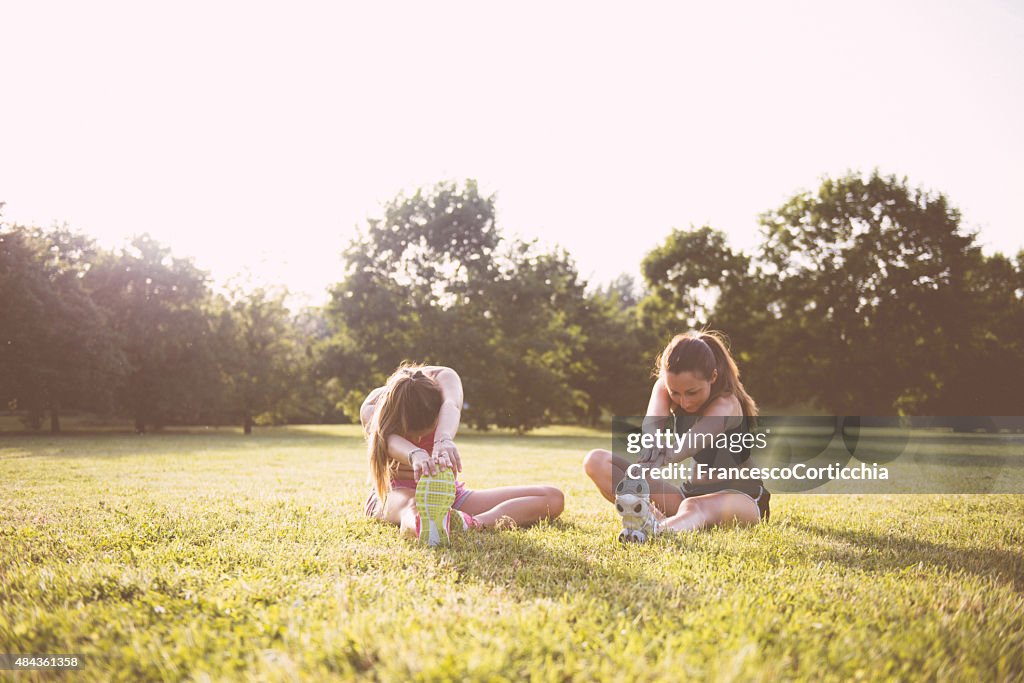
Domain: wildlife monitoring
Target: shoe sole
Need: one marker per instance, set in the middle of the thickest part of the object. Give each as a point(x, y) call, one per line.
point(647, 529)
point(434, 499)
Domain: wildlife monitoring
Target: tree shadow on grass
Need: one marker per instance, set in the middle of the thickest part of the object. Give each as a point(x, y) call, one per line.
point(532, 566)
point(873, 551)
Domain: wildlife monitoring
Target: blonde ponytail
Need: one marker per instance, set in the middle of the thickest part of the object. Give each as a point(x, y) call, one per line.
point(409, 403)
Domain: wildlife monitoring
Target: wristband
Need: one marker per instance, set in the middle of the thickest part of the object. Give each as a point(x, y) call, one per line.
point(414, 451)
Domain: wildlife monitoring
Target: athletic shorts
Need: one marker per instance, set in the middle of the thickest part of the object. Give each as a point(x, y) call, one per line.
point(755, 491)
point(373, 506)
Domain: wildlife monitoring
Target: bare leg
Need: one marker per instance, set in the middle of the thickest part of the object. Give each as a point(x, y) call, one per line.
point(400, 509)
point(712, 509)
point(522, 505)
point(605, 469)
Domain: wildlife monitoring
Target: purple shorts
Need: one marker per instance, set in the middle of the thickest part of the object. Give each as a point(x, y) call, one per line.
point(373, 507)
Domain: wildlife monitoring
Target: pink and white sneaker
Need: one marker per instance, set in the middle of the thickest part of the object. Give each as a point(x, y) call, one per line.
point(462, 521)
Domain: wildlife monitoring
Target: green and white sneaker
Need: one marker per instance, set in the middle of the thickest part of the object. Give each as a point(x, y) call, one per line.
point(434, 498)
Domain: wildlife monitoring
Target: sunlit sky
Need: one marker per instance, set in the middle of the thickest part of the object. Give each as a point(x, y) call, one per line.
point(258, 136)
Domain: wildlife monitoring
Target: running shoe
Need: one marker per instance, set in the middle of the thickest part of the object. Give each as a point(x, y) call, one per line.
point(633, 503)
point(462, 521)
point(434, 498)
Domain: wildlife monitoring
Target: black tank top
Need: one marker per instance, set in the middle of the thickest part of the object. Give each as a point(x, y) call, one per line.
point(720, 457)
point(712, 455)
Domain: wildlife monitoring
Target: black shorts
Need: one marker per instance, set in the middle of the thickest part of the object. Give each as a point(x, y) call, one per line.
point(755, 490)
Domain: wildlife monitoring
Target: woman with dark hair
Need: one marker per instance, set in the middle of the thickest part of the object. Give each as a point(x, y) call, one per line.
point(697, 386)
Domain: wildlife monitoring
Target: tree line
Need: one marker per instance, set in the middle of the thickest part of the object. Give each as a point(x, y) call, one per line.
point(865, 297)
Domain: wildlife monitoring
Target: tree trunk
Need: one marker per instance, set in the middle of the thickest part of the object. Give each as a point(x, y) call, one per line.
point(247, 426)
point(140, 423)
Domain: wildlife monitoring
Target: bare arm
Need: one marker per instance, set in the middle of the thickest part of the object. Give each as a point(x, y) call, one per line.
point(450, 415)
point(720, 415)
point(400, 449)
point(656, 418)
point(660, 402)
point(369, 407)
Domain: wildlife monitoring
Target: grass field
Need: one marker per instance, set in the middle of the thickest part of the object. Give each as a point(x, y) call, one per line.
point(210, 556)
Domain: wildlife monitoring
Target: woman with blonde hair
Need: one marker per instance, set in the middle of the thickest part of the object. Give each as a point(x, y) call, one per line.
point(410, 426)
point(698, 386)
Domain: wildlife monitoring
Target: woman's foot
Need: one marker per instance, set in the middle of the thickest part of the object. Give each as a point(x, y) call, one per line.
point(633, 502)
point(459, 521)
point(639, 530)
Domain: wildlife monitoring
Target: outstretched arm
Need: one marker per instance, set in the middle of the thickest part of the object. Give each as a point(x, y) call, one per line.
point(448, 419)
point(656, 418)
point(408, 453)
point(450, 415)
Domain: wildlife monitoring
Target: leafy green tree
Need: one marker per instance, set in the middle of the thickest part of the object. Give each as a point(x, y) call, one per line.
point(685, 277)
point(695, 279)
point(870, 285)
point(614, 366)
point(345, 370)
point(433, 281)
point(316, 395)
point(258, 359)
point(428, 253)
point(984, 370)
point(56, 351)
point(158, 307)
point(528, 330)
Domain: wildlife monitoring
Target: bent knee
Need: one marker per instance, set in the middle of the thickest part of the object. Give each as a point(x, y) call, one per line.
point(597, 462)
point(555, 500)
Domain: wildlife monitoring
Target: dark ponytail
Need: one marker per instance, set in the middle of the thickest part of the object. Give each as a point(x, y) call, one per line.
point(703, 353)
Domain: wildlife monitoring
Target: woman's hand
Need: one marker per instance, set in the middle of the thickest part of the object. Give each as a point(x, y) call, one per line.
point(446, 454)
point(422, 463)
point(653, 457)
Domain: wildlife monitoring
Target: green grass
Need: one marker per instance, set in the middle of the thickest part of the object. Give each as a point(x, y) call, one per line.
point(210, 556)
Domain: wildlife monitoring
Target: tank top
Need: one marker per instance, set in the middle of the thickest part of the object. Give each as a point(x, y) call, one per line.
point(720, 457)
point(712, 455)
point(426, 442)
